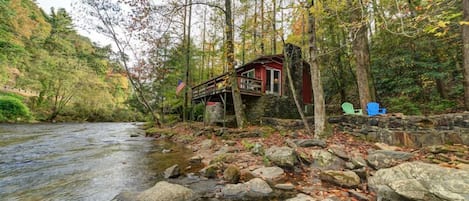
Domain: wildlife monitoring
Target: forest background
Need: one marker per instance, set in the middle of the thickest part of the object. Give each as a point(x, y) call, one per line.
point(413, 54)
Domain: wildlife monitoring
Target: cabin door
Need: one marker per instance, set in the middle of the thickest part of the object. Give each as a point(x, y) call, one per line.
point(272, 81)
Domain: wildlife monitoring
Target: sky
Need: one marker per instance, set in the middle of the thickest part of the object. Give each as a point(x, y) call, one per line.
point(67, 4)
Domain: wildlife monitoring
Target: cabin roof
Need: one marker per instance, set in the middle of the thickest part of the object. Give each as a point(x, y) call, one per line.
point(278, 58)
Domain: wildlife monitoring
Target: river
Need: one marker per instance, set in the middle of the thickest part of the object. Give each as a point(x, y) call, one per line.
point(79, 161)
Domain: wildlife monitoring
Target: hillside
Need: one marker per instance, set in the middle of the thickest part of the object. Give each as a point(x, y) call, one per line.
point(74, 78)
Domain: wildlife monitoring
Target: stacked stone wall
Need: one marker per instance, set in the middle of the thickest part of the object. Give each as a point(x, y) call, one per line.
point(414, 131)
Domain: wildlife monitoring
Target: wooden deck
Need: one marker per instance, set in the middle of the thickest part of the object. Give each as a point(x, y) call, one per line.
point(221, 84)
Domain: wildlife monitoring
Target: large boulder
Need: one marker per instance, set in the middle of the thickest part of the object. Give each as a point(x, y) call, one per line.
point(254, 189)
point(310, 143)
point(282, 156)
point(164, 191)
point(419, 181)
point(269, 173)
point(385, 158)
point(347, 179)
point(326, 160)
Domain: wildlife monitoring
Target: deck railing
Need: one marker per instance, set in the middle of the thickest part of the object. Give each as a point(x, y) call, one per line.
point(249, 86)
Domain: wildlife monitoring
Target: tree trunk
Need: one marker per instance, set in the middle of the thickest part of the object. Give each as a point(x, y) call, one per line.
point(274, 28)
point(243, 50)
point(254, 38)
point(237, 102)
point(465, 38)
point(203, 46)
point(362, 57)
point(262, 28)
point(288, 64)
point(318, 92)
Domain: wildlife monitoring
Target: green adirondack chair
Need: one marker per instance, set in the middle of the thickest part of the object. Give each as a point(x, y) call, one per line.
point(348, 109)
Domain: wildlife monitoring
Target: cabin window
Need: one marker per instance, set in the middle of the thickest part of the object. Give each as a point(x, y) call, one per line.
point(249, 73)
point(273, 79)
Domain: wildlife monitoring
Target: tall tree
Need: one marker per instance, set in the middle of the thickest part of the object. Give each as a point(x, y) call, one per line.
point(361, 52)
point(238, 104)
point(187, 43)
point(465, 38)
point(318, 92)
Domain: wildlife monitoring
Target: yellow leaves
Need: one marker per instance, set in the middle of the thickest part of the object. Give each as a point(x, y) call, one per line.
point(442, 24)
point(317, 10)
point(439, 30)
point(464, 23)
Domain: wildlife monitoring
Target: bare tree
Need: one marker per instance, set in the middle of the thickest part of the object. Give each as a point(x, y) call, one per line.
point(318, 92)
point(111, 24)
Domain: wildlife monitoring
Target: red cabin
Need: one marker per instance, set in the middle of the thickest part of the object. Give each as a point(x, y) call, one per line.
point(264, 75)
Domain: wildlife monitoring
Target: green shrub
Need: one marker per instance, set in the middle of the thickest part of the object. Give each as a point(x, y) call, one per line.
point(12, 109)
point(439, 105)
point(198, 111)
point(402, 105)
point(12, 95)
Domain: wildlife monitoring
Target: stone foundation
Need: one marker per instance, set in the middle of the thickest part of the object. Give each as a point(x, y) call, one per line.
point(414, 131)
point(273, 106)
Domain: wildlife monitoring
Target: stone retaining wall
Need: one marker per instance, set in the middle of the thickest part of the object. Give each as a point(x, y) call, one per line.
point(414, 131)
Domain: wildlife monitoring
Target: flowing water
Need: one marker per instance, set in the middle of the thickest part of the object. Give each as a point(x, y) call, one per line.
point(81, 161)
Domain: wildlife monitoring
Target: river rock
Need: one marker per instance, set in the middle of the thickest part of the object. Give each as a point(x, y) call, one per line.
point(358, 162)
point(257, 149)
point(164, 191)
point(172, 172)
point(226, 150)
point(419, 181)
point(339, 151)
point(290, 143)
point(385, 158)
point(282, 156)
point(310, 143)
point(210, 171)
point(285, 186)
point(349, 165)
point(302, 197)
point(384, 146)
point(269, 173)
point(231, 174)
point(359, 196)
point(196, 159)
point(246, 175)
point(255, 188)
point(326, 160)
point(125, 196)
point(347, 179)
point(207, 144)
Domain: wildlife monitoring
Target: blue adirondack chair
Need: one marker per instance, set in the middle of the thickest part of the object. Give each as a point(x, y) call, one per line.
point(373, 109)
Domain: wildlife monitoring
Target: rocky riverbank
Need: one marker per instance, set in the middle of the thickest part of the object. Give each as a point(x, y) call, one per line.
point(265, 163)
